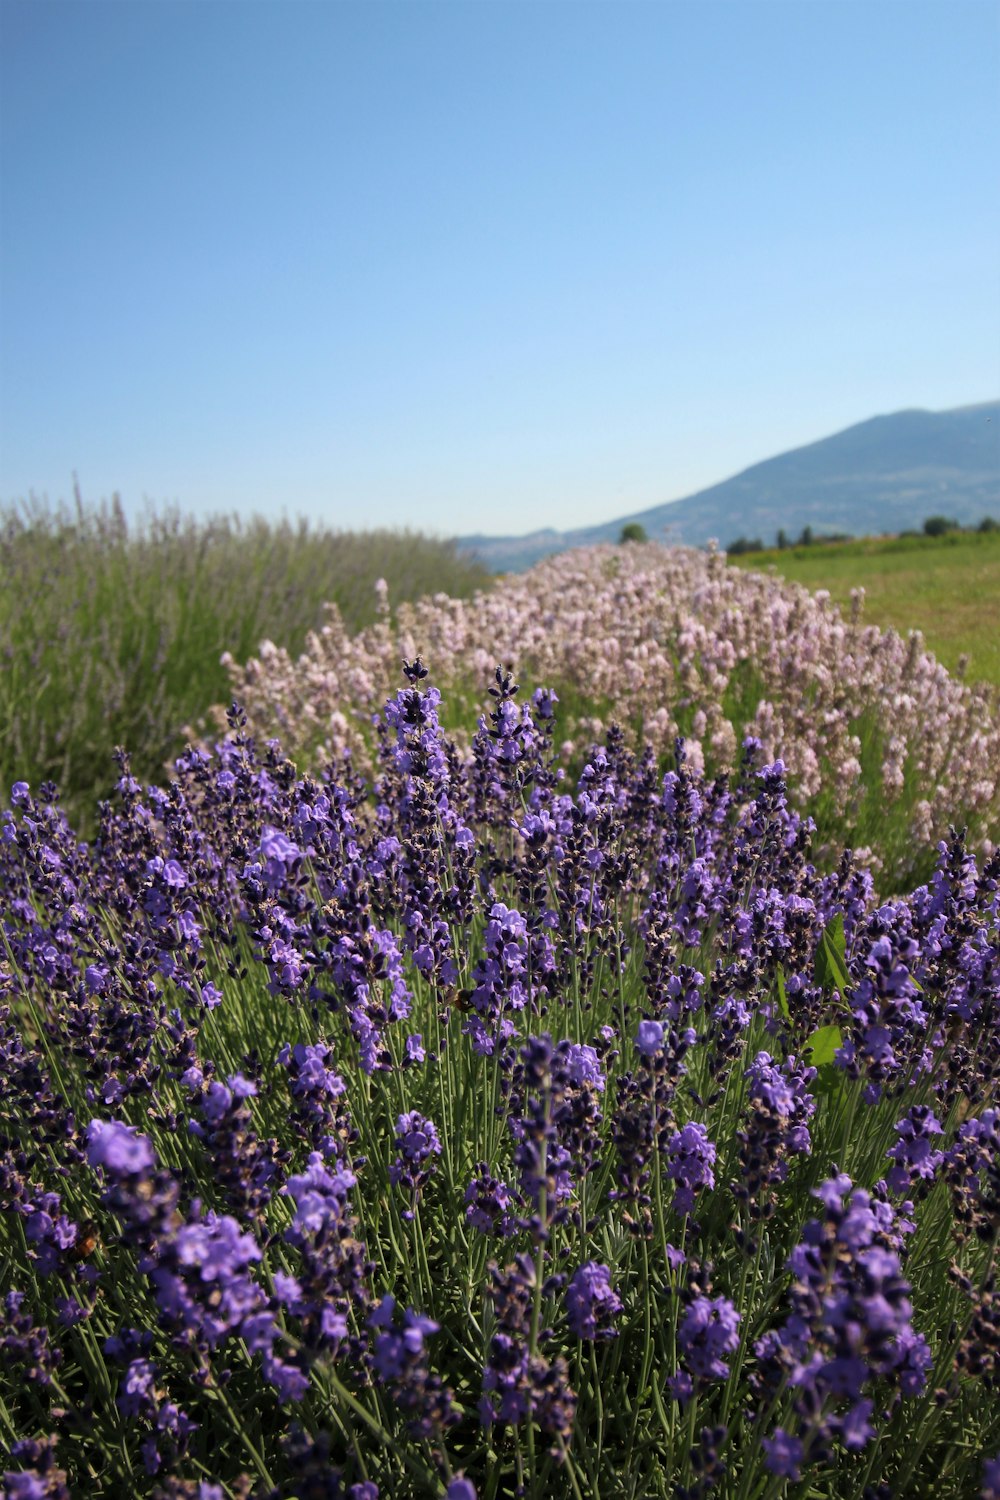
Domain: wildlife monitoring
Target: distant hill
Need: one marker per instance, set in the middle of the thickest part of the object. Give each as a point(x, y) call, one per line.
point(884, 475)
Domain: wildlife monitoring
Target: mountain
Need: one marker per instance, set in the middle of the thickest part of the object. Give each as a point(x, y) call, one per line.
point(884, 475)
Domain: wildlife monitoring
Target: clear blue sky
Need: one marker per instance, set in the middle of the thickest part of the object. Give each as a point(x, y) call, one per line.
point(488, 265)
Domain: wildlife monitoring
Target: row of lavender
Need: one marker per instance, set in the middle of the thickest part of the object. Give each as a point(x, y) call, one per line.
point(483, 1135)
point(873, 731)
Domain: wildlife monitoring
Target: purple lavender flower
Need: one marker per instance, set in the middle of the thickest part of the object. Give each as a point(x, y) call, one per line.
point(26, 1485)
point(516, 1386)
point(198, 1268)
point(509, 747)
point(649, 1038)
point(211, 996)
point(783, 1455)
point(415, 1052)
point(779, 1107)
point(334, 1282)
point(41, 1478)
point(216, 1247)
point(24, 1343)
point(850, 1318)
point(489, 1204)
point(708, 1330)
point(243, 1165)
point(913, 1155)
point(49, 1232)
point(400, 1361)
point(554, 1121)
point(394, 1346)
point(499, 978)
point(974, 1175)
point(690, 1158)
point(890, 1017)
point(417, 1143)
point(118, 1147)
point(278, 854)
point(583, 1066)
point(591, 1302)
point(320, 1195)
point(137, 1391)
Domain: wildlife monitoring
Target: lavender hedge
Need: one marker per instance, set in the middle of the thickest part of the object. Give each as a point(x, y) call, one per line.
point(477, 1134)
point(881, 744)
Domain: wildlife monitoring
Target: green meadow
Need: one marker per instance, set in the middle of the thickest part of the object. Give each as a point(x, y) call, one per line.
point(111, 634)
point(947, 587)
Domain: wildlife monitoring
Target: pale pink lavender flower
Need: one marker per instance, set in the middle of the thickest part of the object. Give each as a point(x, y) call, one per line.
point(664, 624)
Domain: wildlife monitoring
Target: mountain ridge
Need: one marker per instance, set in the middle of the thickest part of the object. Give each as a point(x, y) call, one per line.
point(886, 473)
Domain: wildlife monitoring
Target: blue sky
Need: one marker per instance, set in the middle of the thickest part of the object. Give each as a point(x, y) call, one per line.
point(486, 265)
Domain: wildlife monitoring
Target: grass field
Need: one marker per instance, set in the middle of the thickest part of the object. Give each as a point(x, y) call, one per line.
point(948, 587)
point(111, 634)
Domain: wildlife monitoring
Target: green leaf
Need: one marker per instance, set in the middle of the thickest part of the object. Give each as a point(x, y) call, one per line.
point(831, 958)
point(822, 1045)
point(782, 995)
point(821, 1048)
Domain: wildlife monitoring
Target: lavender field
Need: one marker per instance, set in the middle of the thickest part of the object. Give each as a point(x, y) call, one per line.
point(541, 1044)
point(885, 747)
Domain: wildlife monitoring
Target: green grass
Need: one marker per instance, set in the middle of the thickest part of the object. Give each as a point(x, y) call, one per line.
point(111, 634)
point(947, 587)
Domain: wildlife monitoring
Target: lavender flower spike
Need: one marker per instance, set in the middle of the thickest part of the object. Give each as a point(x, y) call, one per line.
point(591, 1302)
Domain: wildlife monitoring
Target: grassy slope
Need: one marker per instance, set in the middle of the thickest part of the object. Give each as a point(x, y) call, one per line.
point(948, 587)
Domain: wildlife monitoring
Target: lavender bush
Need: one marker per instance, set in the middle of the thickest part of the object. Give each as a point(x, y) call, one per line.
point(488, 1133)
point(885, 748)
